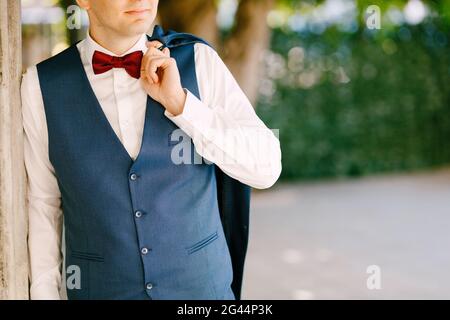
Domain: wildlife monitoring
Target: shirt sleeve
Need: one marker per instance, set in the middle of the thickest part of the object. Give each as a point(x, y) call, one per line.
point(43, 195)
point(224, 126)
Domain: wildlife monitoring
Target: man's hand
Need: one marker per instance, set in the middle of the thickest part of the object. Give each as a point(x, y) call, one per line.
point(160, 78)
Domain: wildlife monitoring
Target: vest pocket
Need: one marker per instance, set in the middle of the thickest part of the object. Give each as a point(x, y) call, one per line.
point(202, 243)
point(86, 256)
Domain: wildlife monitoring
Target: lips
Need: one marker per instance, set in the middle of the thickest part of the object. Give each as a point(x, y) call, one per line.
point(137, 11)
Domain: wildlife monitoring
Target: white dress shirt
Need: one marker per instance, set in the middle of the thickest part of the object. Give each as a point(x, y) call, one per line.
point(222, 114)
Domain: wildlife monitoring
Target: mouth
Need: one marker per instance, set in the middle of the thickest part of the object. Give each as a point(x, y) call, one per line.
point(138, 12)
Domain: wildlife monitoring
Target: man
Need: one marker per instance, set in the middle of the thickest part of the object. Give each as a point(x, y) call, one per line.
point(102, 120)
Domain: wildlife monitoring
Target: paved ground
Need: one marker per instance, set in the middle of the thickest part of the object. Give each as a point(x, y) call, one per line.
point(315, 240)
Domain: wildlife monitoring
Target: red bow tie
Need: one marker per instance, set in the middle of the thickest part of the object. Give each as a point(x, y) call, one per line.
point(102, 62)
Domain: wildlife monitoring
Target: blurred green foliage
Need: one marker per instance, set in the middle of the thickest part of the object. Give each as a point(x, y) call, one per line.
point(359, 102)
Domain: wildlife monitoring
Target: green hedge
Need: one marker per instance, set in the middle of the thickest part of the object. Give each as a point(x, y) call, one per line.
point(387, 109)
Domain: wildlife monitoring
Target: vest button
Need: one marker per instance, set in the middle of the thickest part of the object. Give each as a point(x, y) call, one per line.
point(133, 176)
point(144, 250)
point(149, 286)
point(138, 214)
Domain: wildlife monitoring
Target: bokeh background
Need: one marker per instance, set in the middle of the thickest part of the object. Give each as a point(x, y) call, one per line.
point(364, 123)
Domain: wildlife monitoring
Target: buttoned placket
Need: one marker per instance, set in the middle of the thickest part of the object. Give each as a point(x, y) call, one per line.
point(122, 82)
point(125, 89)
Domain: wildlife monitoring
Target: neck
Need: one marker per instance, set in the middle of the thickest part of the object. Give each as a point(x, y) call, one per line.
point(118, 44)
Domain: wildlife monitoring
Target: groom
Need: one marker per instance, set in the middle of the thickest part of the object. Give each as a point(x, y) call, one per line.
point(102, 120)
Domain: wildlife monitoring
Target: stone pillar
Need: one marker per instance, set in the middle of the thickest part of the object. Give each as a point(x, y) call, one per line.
point(13, 217)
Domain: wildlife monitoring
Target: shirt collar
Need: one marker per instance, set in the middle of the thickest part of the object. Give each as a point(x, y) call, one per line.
point(91, 46)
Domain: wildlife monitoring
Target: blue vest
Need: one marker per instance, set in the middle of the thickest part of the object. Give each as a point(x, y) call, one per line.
point(148, 228)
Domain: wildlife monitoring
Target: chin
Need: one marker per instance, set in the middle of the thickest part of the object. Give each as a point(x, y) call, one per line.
point(136, 27)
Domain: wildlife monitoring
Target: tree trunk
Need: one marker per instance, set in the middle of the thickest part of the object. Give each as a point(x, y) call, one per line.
point(194, 16)
point(248, 41)
point(13, 218)
point(242, 50)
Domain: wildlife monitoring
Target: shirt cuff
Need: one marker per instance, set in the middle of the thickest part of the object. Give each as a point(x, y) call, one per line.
point(44, 291)
point(47, 286)
point(196, 116)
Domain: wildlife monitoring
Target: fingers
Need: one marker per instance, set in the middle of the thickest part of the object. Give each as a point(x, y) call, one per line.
point(149, 67)
point(152, 65)
point(153, 59)
point(166, 51)
point(153, 51)
point(156, 44)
